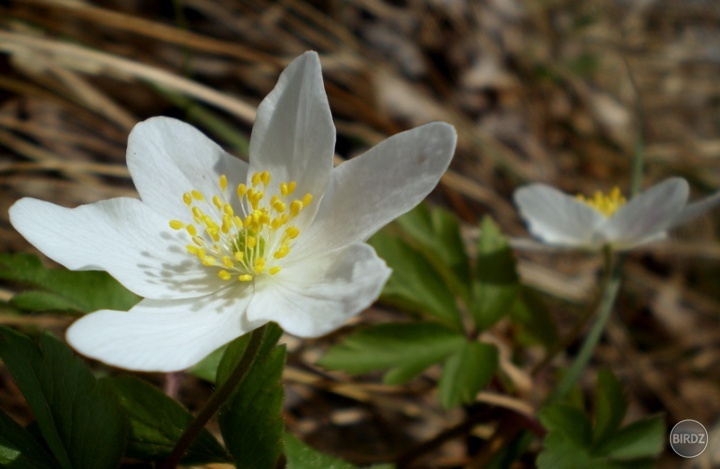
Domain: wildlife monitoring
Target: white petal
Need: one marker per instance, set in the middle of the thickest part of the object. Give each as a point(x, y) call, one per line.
point(121, 236)
point(557, 218)
point(294, 137)
point(318, 295)
point(167, 158)
point(163, 335)
point(646, 215)
point(696, 209)
point(369, 191)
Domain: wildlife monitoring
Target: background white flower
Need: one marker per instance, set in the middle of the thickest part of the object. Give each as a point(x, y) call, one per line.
point(562, 220)
point(218, 247)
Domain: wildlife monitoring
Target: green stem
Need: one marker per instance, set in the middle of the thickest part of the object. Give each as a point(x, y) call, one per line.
point(606, 306)
point(217, 399)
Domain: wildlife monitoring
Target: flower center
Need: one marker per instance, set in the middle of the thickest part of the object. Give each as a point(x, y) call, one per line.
point(243, 245)
point(605, 204)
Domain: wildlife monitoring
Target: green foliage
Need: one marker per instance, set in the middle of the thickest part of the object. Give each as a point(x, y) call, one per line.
point(495, 286)
point(19, 449)
point(60, 289)
point(574, 441)
point(467, 371)
point(157, 422)
point(250, 420)
point(69, 405)
point(437, 233)
point(406, 349)
point(415, 284)
point(434, 276)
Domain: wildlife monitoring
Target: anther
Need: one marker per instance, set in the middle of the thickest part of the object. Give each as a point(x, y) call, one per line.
point(176, 225)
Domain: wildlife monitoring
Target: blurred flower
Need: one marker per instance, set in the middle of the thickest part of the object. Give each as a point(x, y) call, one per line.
point(561, 220)
point(219, 247)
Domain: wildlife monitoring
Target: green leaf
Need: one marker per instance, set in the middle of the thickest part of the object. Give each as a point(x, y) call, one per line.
point(157, 422)
point(437, 232)
point(536, 322)
point(406, 347)
point(235, 350)
point(569, 438)
point(18, 448)
point(466, 372)
point(301, 456)
point(495, 286)
point(250, 420)
point(63, 290)
point(610, 406)
point(208, 366)
point(641, 439)
point(69, 404)
point(415, 284)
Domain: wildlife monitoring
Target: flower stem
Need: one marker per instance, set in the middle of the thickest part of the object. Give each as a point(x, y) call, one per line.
point(606, 306)
point(217, 399)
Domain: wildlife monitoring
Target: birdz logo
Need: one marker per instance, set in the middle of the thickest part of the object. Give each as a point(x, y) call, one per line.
point(688, 438)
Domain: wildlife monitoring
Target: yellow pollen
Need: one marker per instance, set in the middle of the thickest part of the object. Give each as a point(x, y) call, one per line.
point(605, 204)
point(295, 207)
point(246, 239)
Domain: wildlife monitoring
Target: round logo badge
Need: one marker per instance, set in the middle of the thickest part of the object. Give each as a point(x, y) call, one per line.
point(688, 438)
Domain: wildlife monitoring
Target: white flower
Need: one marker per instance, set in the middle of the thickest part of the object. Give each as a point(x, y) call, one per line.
point(218, 247)
point(576, 222)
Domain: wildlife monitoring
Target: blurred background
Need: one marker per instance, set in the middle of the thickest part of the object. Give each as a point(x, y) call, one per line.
point(557, 91)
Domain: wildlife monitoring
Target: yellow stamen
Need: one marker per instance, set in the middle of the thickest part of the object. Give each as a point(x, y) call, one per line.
point(249, 243)
point(605, 204)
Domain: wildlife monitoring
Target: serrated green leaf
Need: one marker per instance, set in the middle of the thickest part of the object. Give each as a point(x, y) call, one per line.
point(83, 291)
point(495, 286)
point(69, 404)
point(250, 420)
point(415, 284)
point(405, 346)
point(157, 422)
point(610, 406)
point(301, 456)
point(467, 371)
point(535, 319)
point(18, 448)
point(437, 232)
point(641, 439)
